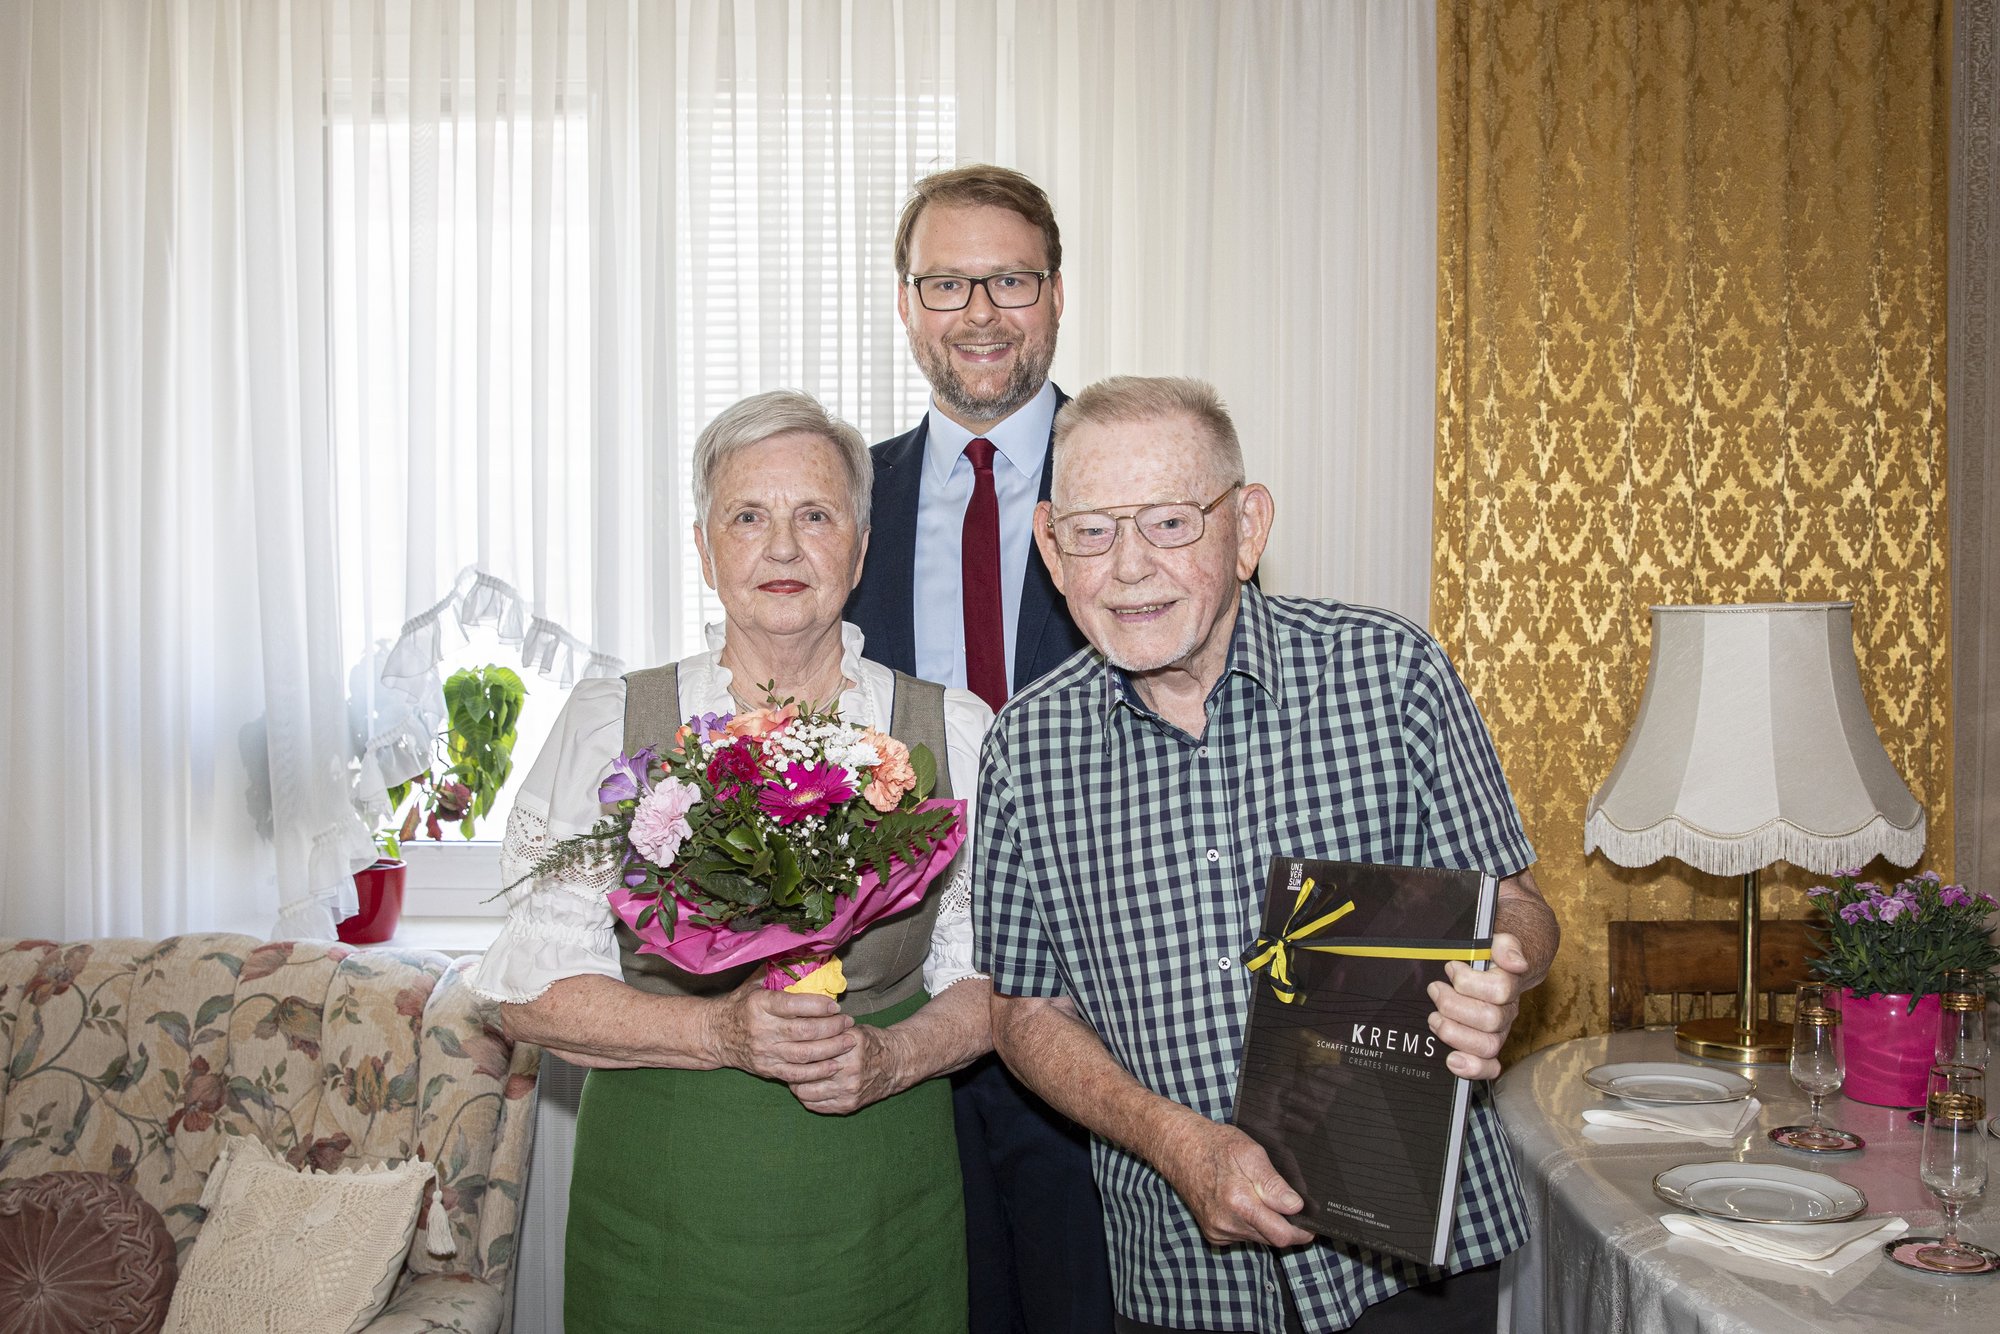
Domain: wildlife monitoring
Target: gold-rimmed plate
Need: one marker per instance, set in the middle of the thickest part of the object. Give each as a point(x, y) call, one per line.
point(1759, 1193)
point(1665, 1083)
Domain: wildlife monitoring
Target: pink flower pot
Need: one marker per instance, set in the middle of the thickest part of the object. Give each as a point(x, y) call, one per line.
point(1889, 1047)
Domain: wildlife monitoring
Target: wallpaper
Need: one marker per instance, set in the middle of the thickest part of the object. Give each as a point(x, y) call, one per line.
point(1691, 348)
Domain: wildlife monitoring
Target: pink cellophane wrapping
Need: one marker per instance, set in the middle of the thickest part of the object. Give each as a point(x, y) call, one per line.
point(712, 949)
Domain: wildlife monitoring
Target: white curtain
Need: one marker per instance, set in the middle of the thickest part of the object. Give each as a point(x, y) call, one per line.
point(328, 327)
point(173, 676)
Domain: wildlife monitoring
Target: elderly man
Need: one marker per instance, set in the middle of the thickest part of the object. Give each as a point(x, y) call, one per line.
point(1131, 803)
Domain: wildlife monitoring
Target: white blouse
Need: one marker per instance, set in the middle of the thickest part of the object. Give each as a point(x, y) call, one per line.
point(563, 927)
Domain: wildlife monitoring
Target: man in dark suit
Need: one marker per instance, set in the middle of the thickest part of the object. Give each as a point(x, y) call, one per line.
point(954, 591)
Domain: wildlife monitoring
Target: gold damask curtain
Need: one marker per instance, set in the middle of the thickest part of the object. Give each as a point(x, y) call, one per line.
point(1691, 348)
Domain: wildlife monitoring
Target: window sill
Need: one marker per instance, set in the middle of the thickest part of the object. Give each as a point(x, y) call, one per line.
point(446, 935)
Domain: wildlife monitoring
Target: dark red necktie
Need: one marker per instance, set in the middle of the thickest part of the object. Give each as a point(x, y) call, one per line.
point(979, 583)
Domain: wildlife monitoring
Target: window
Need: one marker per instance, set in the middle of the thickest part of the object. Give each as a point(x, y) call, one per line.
point(533, 313)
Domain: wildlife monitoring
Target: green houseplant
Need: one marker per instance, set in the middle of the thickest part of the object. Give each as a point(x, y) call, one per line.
point(473, 754)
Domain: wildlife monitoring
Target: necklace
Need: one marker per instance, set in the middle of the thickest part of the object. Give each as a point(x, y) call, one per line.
point(808, 698)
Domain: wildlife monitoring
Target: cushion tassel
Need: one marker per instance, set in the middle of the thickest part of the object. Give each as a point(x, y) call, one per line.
point(438, 1239)
point(211, 1190)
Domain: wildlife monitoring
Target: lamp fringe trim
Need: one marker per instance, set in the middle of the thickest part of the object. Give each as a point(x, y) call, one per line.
point(1778, 841)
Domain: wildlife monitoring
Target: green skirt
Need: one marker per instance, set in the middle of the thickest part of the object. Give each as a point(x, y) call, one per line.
point(711, 1202)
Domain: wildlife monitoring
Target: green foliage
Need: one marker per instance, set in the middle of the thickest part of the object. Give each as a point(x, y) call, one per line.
point(1901, 942)
point(474, 756)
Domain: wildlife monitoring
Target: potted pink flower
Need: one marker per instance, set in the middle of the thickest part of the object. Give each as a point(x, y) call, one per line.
point(1888, 950)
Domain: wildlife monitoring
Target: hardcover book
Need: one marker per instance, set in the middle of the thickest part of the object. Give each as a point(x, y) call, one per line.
point(1342, 1082)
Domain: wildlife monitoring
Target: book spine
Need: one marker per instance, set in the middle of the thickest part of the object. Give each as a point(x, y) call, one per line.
point(1454, 1157)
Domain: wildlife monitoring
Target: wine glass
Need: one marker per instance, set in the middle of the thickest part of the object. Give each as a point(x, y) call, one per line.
point(1961, 1037)
point(1961, 1034)
point(1953, 1164)
point(1818, 1066)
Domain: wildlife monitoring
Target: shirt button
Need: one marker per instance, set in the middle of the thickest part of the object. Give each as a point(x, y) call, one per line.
point(1203, 752)
point(1223, 963)
point(1214, 856)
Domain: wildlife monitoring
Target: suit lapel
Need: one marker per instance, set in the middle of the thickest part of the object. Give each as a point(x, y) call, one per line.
point(884, 605)
point(1038, 590)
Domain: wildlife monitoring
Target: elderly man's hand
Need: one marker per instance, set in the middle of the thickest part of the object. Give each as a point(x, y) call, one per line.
point(872, 1071)
point(777, 1034)
point(1228, 1182)
point(1476, 1009)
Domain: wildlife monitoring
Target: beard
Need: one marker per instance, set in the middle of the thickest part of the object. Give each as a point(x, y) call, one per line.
point(1126, 661)
point(1031, 370)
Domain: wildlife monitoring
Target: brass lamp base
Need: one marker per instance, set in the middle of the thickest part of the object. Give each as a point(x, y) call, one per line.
point(1723, 1040)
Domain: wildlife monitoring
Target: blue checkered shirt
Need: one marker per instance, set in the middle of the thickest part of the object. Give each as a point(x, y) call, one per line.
point(1122, 862)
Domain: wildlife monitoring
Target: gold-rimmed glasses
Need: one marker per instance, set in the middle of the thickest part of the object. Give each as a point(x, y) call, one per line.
point(1165, 524)
point(1961, 1036)
point(1818, 1067)
point(1953, 1164)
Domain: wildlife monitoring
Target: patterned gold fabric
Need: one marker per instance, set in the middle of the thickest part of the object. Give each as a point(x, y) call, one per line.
point(1691, 337)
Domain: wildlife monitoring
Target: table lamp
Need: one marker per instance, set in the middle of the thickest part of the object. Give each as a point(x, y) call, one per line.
point(1753, 745)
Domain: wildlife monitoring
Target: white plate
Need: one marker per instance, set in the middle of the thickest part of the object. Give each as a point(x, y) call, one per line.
point(1667, 1082)
point(1759, 1193)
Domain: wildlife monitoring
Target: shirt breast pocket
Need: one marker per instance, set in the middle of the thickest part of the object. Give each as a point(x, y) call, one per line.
point(1334, 834)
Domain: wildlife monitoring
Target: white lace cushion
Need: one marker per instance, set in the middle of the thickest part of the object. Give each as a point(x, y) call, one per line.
point(288, 1252)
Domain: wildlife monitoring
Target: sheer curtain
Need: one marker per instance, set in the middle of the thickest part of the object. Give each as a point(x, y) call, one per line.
point(334, 326)
point(176, 718)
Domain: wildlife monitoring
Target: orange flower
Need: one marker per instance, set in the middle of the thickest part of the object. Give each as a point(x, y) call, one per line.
point(893, 777)
point(762, 722)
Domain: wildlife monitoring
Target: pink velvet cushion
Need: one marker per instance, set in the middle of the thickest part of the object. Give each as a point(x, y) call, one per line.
point(79, 1252)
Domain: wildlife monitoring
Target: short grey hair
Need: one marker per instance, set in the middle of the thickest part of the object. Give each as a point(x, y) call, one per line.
point(1139, 398)
point(780, 412)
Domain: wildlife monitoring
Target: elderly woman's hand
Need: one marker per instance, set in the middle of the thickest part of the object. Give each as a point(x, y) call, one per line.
point(877, 1068)
point(778, 1034)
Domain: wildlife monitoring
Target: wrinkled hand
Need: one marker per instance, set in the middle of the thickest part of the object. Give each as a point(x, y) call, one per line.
point(1476, 1010)
point(872, 1071)
point(778, 1034)
point(1228, 1182)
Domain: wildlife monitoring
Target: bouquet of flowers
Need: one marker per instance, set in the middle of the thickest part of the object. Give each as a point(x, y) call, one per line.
point(775, 835)
point(1902, 941)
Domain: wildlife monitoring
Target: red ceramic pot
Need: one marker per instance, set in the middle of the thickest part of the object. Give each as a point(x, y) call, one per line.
point(381, 891)
point(1889, 1047)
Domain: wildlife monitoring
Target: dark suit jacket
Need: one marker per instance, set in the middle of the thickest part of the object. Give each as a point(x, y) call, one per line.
point(883, 605)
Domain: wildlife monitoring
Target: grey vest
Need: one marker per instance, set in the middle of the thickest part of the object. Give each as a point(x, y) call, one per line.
point(884, 965)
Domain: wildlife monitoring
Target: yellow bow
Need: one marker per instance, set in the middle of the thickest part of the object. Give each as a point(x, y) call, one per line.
point(1275, 953)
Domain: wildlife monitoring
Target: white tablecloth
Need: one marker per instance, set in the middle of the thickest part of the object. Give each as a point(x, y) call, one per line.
point(1600, 1262)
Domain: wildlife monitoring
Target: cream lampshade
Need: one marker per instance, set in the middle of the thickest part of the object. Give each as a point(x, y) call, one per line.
point(1753, 745)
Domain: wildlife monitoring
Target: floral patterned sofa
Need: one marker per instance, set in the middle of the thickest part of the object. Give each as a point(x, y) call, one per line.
point(136, 1058)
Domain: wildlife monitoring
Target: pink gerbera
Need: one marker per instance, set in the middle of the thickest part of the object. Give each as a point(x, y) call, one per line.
point(804, 790)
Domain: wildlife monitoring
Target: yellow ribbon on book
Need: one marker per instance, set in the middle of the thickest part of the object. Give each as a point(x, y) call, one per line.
point(1273, 954)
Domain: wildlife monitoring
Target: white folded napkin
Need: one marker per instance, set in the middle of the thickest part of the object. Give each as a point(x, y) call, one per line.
point(1823, 1248)
point(1713, 1120)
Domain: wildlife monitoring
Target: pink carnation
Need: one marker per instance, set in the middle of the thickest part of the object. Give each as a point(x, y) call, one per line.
point(660, 824)
point(893, 777)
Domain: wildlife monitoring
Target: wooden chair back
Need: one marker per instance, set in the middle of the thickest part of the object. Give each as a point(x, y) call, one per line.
point(1692, 964)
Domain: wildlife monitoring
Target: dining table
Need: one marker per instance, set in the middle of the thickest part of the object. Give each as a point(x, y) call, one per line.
point(1599, 1261)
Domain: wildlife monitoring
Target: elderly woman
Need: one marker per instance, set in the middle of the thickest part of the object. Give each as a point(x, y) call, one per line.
point(751, 1160)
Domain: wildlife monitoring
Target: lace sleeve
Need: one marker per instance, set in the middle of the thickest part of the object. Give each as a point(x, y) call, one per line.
point(558, 925)
point(966, 718)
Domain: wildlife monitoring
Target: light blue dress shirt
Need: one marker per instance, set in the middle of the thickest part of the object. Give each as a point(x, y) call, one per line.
point(1020, 447)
